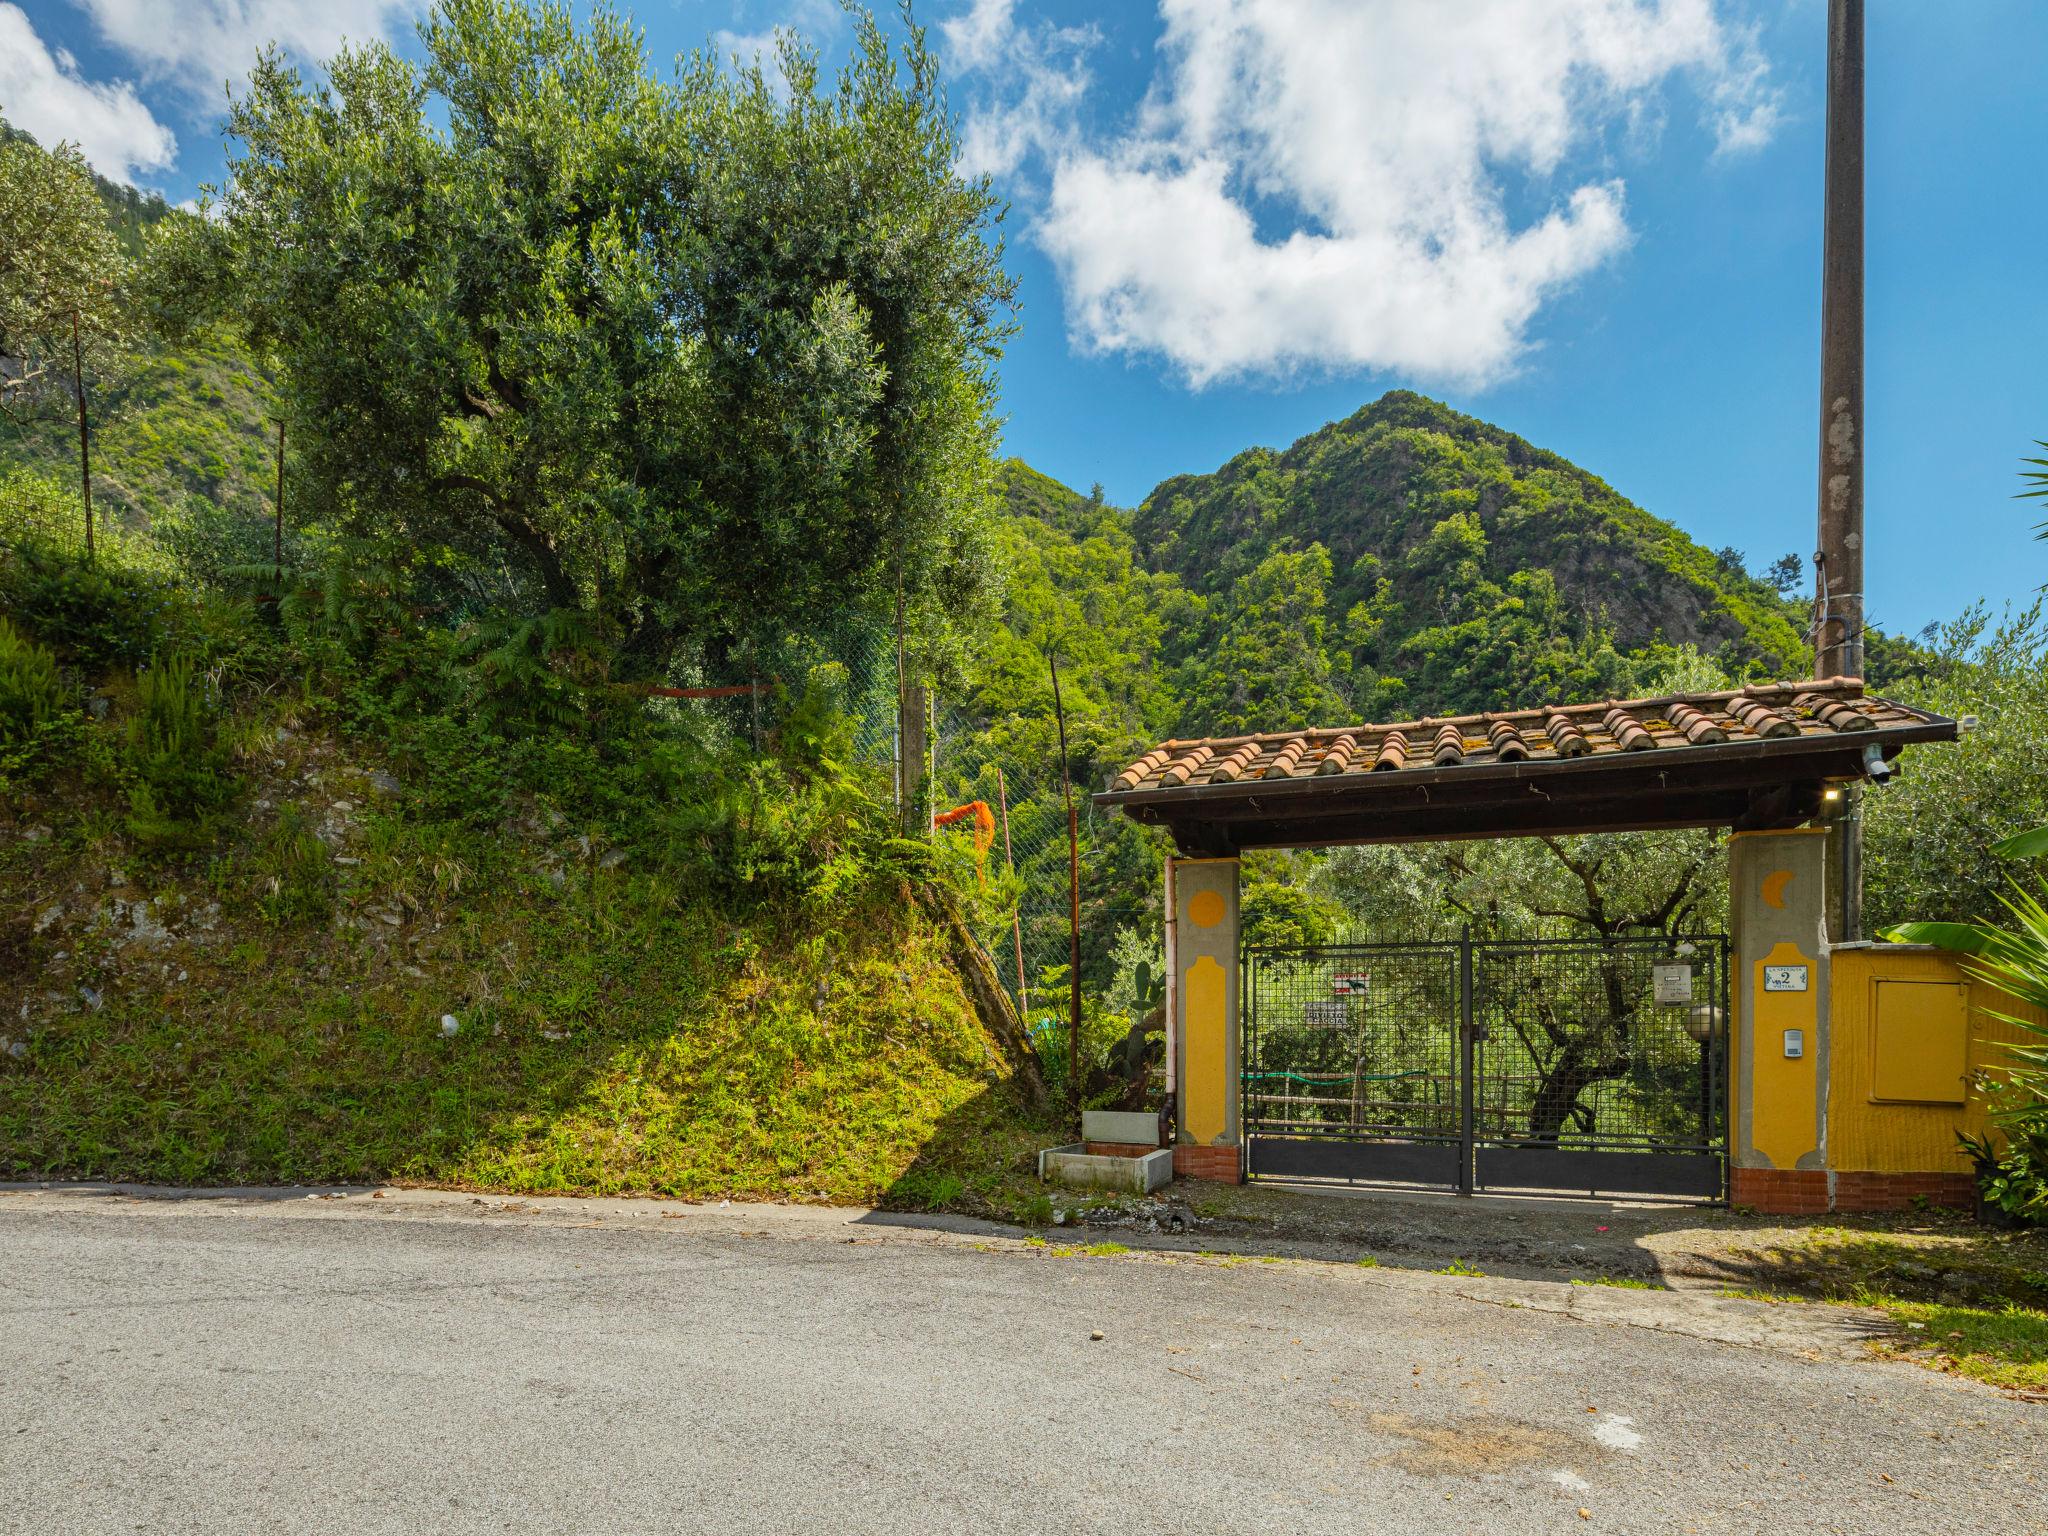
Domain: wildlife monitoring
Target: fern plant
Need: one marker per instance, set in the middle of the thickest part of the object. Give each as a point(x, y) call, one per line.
point(40, 723)
point(32, 692)
point(179, 776)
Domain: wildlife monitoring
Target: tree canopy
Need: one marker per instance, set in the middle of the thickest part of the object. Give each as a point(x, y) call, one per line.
point(61, 266)
point(702, 357)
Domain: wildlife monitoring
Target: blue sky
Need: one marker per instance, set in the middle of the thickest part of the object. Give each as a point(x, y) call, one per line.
point(1595, 222)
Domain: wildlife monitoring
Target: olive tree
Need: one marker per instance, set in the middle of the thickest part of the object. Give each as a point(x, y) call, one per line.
point(697, 357)
point(61, 274)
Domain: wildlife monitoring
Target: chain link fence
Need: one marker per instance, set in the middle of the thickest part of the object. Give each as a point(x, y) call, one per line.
point(1032, 954)
point(967, 761)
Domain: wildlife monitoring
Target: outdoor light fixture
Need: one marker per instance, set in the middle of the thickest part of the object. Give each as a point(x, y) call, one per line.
point(1703, 1023)
point(1832, 793)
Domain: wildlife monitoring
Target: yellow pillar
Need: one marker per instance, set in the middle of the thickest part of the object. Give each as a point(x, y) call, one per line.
point(1779, 1060)
point(1202, 969)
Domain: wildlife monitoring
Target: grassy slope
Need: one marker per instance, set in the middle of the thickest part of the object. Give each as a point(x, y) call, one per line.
point(615, 1035)
point(191, 420)
point(182, 423)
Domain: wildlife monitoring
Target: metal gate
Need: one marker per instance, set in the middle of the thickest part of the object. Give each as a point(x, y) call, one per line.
point(1594, 1066)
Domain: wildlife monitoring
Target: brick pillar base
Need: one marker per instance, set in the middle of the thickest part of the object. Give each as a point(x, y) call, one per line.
point(1780, 1191)
point(1805, 1192)
point(1897, 1191)
point(1218, 1165)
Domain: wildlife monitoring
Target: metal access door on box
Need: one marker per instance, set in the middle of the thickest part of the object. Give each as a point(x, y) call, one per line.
point(1554, 1065)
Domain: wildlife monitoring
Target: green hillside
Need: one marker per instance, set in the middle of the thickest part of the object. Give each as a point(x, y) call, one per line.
point(180, 435)
point(1408, 560)
point(1446, 565)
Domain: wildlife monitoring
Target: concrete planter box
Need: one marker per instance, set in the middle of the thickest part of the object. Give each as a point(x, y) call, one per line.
point(1132, 1127)
point(1075, 1164)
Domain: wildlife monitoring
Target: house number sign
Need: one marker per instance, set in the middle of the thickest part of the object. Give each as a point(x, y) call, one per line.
point(1784, 978)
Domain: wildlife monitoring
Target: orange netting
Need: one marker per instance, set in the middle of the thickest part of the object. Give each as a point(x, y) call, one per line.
point(984, 828)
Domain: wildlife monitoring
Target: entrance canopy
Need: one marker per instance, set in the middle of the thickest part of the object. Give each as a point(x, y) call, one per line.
point(1758, 758)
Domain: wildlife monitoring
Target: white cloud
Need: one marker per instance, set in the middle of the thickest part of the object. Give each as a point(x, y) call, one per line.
point(1325, 183)
point(811, 21)
point(45, 94)
point(208, 43)
point(976, 38)
point(1044, 70)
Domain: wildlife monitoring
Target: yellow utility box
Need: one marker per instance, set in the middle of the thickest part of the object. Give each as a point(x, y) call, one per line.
point(1920, 1042)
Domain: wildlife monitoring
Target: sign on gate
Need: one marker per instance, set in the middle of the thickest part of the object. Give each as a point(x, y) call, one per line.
point(1674, 983)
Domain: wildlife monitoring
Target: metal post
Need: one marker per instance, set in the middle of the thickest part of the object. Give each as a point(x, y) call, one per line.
point(1017, 915)
point(1838, 609)
point(84, 438)
point(1073, 903)
point(1468, 1064)
point(277, 536)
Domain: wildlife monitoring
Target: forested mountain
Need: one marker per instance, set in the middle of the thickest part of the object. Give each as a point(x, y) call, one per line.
point(1408, 560)
point(180, 436)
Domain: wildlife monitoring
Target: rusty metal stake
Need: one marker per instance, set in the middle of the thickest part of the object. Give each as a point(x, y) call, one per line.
point(84, 438)
point(1073, 904)
point(1016, 918)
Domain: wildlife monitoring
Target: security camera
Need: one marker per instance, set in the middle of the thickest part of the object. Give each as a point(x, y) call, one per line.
point(1874, 763)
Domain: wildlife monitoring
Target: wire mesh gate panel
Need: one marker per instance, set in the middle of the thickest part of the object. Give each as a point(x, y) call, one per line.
point(1599, 1065)
point(1352, 1063)
point(1564, 1065)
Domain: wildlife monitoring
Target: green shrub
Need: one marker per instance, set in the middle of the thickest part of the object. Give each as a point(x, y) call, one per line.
point(40, 722)
point(179, 776)
point(94, 615)
point(2013, 1176)
point(32, 694)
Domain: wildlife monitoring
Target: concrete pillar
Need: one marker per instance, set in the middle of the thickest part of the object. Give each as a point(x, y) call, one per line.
point(1778, 1061)
point(1202, 971)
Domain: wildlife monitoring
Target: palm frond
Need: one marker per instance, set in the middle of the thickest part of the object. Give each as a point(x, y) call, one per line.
point(2036, 477)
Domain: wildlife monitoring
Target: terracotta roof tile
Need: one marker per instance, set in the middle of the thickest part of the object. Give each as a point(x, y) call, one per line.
point(1506, 740)
point(1759, 718)
point(1548, 734)
point(1282, 766)
point(1337, 757)
point(1699, 730)
point(1234, 765)
point(1566, 739)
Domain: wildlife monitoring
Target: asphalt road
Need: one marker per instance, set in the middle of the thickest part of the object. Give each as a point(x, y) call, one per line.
point(425, 1363)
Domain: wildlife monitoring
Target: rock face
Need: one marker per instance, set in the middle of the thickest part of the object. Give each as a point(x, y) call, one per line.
point(1414, 558)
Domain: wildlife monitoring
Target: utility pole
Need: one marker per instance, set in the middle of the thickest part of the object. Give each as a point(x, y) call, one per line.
point(1838, 636)
point(1838, 561)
